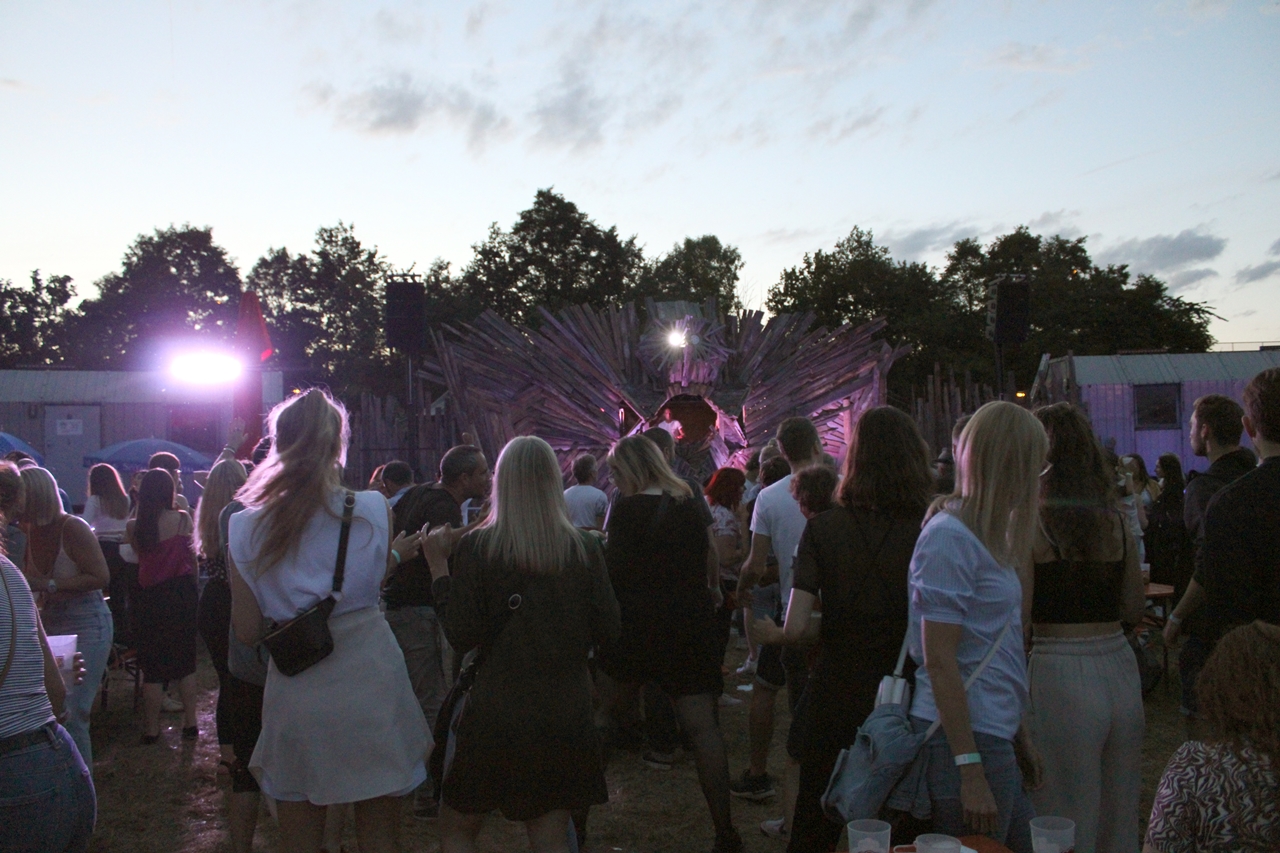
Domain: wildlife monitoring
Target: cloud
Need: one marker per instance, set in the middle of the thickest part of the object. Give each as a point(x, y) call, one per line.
point(1275, 248)
point(570, 113)
point(1056, 222)
point(784, 236)
point(1037, 58)
point(920, 241)
point(12, 84)
point(476, 16)
point(1163, 252)
point(1047, 99)
point(399, 105)
point(1184, 279)
point(840, 128)
point(398, 27)
point(1250, 274)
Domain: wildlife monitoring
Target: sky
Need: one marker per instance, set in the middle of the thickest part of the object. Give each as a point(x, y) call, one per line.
point(1150, 128)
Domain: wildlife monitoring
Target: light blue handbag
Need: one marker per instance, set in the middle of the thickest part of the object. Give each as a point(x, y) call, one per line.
point(885, 763)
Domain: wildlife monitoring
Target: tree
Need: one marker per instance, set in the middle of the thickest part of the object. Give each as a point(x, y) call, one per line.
point(1077, 306)
point(859, 281)
point(326, 309)
point(32, 320)
point(174, 285)
point(554, 256)
point(695, 271)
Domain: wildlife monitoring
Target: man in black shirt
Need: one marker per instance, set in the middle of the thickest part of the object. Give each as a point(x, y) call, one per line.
point(1239, 564)
point(1216, 427)
point(464, 475)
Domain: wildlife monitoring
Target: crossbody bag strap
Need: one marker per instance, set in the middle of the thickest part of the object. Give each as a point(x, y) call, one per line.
point(339, 570)
point(500, 622)
point(973, 676)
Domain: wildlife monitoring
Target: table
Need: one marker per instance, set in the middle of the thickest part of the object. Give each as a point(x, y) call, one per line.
point(981, 843)
point(1160, 595)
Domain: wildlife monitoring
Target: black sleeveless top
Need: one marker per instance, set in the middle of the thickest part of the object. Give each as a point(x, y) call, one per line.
point(1073, 592)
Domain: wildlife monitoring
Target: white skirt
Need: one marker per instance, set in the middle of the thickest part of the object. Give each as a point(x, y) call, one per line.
point(347, 729)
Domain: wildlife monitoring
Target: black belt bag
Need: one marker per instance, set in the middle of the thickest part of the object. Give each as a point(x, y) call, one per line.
point(304, 641)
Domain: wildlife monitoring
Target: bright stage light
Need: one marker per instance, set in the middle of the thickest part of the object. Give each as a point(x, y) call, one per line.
point(205, 368)
point(677, 339)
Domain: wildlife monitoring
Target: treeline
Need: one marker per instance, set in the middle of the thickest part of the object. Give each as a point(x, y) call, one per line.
point(324, 307)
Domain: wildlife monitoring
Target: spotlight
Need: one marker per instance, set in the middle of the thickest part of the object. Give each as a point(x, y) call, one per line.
point(205, 367)
point(1021, 394)
point(677, 339)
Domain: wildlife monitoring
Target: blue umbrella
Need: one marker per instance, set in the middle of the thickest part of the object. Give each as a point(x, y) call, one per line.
point(132, 455)
point(9, 443)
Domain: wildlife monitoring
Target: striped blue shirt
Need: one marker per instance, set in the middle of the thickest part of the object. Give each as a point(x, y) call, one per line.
point(24, 705)
point(954, 579)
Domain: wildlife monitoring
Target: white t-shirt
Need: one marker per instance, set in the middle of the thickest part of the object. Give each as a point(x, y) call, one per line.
point(306, 576)
point(97, 518)
point(778, 516)
point(586, 504)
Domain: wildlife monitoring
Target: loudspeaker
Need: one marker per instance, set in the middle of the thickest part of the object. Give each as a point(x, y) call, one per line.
point(406, 315)
point(1008, 309)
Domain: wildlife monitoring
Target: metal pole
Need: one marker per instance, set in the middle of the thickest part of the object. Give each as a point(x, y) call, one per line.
point(999, 371)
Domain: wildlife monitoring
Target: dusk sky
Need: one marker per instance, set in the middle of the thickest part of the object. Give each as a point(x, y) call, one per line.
point(1152, 128)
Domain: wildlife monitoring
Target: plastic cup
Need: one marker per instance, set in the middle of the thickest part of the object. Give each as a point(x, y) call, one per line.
point(1053, 835)
point(934, 843)
point(868, 836)
point(63, 647)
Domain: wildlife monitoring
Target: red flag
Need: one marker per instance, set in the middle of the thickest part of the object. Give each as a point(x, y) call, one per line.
point(254, 343)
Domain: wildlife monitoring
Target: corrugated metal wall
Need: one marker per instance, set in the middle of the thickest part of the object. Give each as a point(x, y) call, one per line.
point(1111, 409)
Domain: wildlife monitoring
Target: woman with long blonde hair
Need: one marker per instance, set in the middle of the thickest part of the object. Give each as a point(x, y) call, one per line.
point(532, 592)
point(348, 728)
point(967, 601)
point(668, 593)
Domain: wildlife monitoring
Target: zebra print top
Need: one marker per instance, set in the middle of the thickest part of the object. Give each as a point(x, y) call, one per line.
point(1211, 800)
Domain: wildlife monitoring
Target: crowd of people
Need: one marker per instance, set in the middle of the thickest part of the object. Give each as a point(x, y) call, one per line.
point(460, 669)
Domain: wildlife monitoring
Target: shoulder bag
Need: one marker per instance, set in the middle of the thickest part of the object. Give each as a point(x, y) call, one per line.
point(455, 701)
point(304, 641)
point(873, 767)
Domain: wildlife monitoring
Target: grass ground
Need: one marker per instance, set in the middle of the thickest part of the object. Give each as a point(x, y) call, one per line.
point(169, 797)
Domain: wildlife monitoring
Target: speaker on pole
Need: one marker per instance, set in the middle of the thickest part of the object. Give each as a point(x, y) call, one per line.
point(406, 310)
point(1008, 309)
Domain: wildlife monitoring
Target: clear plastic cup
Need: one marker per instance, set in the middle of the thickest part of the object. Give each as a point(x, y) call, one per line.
point(63, 647)
point(934, 843)
point(868, 836)
point(1053, 835)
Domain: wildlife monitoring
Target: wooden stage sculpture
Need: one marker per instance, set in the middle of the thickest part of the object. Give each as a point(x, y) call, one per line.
point(583, 378)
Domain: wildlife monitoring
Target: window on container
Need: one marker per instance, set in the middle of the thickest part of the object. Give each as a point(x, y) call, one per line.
point(1156, 406)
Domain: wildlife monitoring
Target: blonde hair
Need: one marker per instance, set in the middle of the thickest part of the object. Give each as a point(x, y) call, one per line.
point(220, 488)
point(998, 461)
point(530, 525)
point(637, 464)
point(309, 434)
point(42, 504)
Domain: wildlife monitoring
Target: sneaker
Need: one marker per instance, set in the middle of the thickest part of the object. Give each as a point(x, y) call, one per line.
point(748, 667)
point(171, 705)
point(659, 760)
point(775, 828)
point(750, 787)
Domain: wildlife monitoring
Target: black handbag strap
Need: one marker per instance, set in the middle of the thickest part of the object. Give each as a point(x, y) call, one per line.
point(348, 507)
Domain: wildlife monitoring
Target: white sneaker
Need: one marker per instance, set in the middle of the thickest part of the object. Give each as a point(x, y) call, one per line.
point(748, 667)
point(169, 704)
point(775, 828)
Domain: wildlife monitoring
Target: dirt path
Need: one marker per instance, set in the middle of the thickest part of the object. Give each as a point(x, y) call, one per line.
point(169, 796)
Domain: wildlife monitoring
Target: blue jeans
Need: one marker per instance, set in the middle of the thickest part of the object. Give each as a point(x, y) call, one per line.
point(47, 803)
point(1003, 776)
point(87, 616)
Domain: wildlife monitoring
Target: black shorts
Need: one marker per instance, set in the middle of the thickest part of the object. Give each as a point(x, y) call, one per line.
point(783, 666)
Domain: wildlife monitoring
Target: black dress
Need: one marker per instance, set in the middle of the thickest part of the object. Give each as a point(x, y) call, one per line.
point(857, 561)
point(657, 555)
point(525, 743)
